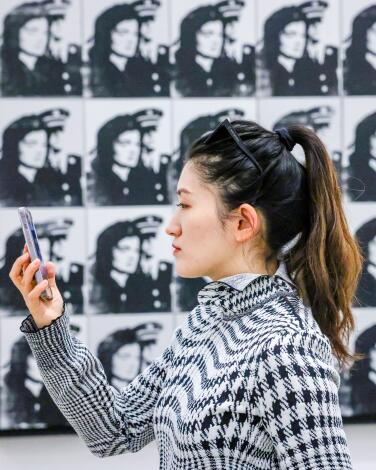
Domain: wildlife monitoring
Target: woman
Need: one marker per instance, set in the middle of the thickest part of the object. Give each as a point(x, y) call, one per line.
point(117, 66)
point(23, 172)
point(123, 353)
point(202, 66)
point(285, 38)
point(29, 67)
point(26, 401)
point(366, 291)
point(360, 61)
point(116, 272)
point(297, 62)
point(232, 389)
point(361, 183)
point(119, 176)
point(363, 376)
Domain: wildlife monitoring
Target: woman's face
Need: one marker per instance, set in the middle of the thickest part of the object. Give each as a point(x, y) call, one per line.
point(372, 251)
point(124, 38)
point(209, 39)
point(33, 149)
point(126, 361)
point(33, 37)
point(195, 228)
point(372, 144)
point(292, 40)
point(127, 148)
point(32, 368)
point(371, 39)
point(126, 254)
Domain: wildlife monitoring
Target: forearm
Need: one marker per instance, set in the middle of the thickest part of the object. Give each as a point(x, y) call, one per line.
point(77, 383)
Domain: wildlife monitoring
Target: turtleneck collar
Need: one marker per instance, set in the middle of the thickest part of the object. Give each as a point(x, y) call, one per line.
point(238, 294)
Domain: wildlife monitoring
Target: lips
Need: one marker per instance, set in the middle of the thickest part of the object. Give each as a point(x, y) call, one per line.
point(176, 247)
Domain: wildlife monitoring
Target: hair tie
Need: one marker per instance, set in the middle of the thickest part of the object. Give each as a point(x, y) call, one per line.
point(285, 138)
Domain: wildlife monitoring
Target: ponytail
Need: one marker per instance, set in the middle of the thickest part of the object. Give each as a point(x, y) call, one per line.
point(299, 204)
point(326, 262)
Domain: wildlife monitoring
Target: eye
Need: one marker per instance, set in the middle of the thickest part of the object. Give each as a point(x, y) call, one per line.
point(182, 205)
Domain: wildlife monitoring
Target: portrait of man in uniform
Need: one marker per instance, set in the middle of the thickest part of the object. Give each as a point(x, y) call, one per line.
point(34, 170)
point(122, 264)
point(25, 401)
point(53, 241)
point(359, 67)
point(295, 56)
point(37, 57)
point(127, 168)
point(125, 57)
point(361, 181)
point(210, 58)
point(366, 290)
point(127, 352)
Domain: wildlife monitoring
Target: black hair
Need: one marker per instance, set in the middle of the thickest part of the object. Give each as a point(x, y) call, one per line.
point(305, 224)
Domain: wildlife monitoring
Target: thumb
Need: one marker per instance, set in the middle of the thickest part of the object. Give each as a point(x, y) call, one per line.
point(50, 268)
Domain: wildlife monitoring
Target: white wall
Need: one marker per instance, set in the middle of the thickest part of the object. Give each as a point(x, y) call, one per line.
point(65, 452)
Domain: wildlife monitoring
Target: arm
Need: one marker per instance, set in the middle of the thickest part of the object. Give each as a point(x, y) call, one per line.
point(296, 396)
point(109, 421)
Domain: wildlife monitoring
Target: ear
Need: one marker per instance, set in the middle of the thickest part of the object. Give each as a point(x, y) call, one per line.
point(248, 222)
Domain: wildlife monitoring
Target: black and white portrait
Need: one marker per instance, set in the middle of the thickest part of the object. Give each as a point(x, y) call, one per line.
point(298, 54)
point(213, 53)
point(359, 67)
point(360, 147)
point(127, 48)
point(24, 400)
point(128, 271)
point(41, 156)
point(363, 375)
point(366, 291)
point(322, 115)
point(61, 239)
point(126, 345)
point(129, 157)
point(41, 51)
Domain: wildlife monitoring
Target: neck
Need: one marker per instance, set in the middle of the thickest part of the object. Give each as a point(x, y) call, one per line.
point(121, 170)
point(205, 62)
point(120, 61)
point(28, 172)
point(371, 58)
point(257, 267)
point(28, 60)
point(286, 62)
point(120, 277)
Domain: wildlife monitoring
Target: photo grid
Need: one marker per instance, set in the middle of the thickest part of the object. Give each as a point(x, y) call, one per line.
point(100, 100)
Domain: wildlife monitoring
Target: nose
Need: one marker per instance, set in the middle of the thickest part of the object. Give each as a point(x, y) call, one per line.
point(173, 229)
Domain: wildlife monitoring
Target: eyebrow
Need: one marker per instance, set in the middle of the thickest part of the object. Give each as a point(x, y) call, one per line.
point(182, 190)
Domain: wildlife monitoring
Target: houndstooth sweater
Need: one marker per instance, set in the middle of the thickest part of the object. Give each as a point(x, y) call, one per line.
point(248, 382)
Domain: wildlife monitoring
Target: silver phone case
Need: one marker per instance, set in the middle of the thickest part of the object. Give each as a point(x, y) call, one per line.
point(31, 239)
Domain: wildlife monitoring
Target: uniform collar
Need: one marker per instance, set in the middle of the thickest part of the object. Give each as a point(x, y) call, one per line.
point(238, 294)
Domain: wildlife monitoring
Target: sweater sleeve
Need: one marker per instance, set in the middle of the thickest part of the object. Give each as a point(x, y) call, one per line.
point(109, 421)
point(296, 392)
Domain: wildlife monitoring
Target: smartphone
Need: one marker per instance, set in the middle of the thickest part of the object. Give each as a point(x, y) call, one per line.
point(31, 239)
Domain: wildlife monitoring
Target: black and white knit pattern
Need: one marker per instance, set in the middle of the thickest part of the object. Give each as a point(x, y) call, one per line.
point(247, 383)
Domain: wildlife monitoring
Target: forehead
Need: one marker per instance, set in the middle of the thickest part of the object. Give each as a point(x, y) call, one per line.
point(190, 181)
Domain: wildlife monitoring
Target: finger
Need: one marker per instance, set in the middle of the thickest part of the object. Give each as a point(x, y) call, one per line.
point(34, 294)
point(15, 272)
point(51, 274)
point(28, 277)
